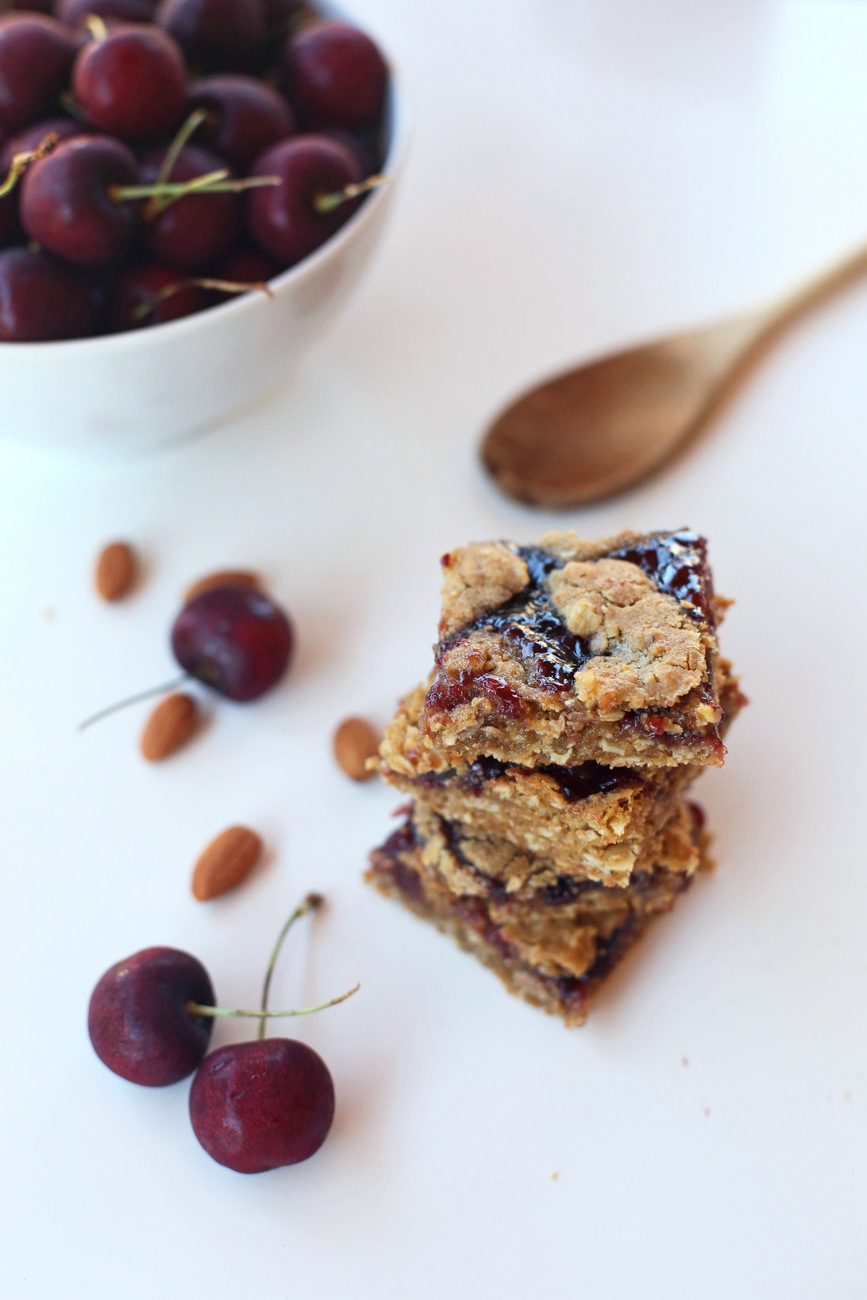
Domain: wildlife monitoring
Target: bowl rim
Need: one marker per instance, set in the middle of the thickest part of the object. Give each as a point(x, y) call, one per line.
point(253, 300)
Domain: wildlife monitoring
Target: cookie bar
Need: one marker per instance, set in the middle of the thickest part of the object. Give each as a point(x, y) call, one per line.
point(572, 651)
point(592, 821)
point(552, 940)
point(472, 861)
point(578, 691)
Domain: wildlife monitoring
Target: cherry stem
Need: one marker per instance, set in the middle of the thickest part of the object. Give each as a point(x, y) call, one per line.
point(196, 1009)
point(200, 282)
point(96, 27)
point(71, 105)
point(300, 18)
point(235, 286)
point(135, 699)
point(310, 904)
point(193, 122)
point(21, 161)
point(168, 192)
point(323, 203)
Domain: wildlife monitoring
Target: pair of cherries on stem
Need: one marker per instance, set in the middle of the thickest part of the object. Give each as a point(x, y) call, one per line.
point(255, 1105)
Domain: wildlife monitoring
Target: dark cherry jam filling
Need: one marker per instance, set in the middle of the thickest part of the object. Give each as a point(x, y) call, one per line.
point(400, 841)
point(387, 861)
point(474, 914)
point(676, 564)
point(642, 885)
point(531, 628)
point(535, 635)
point(566, 889)
point(608, 953)
point(575, 783)
point(448, 693)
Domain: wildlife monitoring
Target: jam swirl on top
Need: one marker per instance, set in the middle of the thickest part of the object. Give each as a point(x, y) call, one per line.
point(536, 636)
point(676, 564)
point(531, 628)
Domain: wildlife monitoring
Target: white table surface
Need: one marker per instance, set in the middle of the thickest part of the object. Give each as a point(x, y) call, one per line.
point(584, 173)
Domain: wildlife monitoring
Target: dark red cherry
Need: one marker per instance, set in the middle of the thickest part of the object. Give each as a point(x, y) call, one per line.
point(259, 1105)
point(10, 230)
point(100, 281)
point(246, 266)
point(40, 299)
point(36, 54)
point(281, 14)
point(335, 75)
point(138, 1019)
point(132, 83)
point(66, 203)
point(236, 640)
point(245, 117)
point(215, 35)
point(197, 229)
point(31, 6)
point(283, 218)
point(154, 294)
point(32, 137)
point(366, 146)
point(72, 13)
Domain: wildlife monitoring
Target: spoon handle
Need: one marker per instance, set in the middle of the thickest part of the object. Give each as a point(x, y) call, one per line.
point(845, 271)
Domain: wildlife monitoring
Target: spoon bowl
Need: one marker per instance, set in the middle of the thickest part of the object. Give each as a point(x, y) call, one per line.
point(603, 427)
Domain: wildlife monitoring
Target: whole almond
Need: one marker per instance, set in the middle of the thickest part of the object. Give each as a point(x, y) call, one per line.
point(115, 570)
point(170, 725)
point(355, 741)
point(226, 861)
point(225, 578)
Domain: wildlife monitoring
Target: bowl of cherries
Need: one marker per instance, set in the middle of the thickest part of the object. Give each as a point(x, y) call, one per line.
point(189, 190)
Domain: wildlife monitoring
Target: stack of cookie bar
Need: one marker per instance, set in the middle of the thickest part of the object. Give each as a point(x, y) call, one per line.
point(577, 693)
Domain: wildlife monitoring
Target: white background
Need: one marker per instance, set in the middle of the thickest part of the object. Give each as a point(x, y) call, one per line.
point(584, 173)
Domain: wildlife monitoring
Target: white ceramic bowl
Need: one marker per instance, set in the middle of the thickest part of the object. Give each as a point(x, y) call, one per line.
point(126, 392)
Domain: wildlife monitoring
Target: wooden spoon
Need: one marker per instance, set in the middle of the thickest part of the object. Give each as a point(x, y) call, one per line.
point(592, 432)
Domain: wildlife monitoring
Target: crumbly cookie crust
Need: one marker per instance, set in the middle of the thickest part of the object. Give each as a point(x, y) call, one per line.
point(473, 862)
point(591, 820)
point(554, 954)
